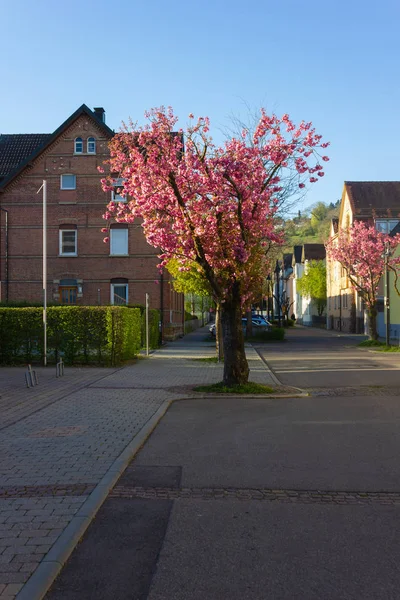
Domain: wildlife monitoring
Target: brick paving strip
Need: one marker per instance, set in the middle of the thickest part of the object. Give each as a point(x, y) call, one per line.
point(38, 491)
point(288, 496)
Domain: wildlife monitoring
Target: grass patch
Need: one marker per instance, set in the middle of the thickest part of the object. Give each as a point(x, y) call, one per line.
point(379, 346)
point(245, 388)
point(209, 359)
point(385, 348)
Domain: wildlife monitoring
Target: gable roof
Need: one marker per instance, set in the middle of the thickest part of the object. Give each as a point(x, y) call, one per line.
point(313, 252)
point(18, 150)
point(374, 198)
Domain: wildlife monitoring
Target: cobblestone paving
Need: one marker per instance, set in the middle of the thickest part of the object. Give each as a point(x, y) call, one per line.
point(292, 496)
point(17, 401)
point(59, 439)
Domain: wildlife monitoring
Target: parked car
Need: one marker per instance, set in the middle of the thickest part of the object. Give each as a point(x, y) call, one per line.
point(261, 320)
point(258, 321)
point(258, 325)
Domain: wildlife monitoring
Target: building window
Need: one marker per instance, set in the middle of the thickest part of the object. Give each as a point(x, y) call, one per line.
point(119, 294)
point(68, 182)
point(78, 145)
point(68, 242)
point(117, 195)
point(91, 145)
point(118, 241)
point(385, 225)
point(67, 294)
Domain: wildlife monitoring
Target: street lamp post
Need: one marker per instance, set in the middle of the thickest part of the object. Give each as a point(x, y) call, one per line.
point(268, 297)
point(278, 301)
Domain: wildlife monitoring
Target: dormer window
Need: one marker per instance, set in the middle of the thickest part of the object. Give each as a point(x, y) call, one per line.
point(91, 145)
point(78, 145)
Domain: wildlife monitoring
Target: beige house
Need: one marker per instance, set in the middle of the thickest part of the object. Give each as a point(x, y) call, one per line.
point(377, 202)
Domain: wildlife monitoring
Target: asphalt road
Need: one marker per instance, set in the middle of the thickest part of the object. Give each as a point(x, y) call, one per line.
point(259, 499)
point(313, 358)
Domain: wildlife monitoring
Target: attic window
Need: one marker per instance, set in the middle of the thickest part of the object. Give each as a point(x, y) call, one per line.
point(91, 145)
point(78, 145)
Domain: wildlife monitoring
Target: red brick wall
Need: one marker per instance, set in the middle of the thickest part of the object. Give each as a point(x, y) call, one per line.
point(82, 208)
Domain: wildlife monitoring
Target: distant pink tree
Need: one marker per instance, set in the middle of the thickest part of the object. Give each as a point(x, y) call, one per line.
point(213, 208)
point(360, 249)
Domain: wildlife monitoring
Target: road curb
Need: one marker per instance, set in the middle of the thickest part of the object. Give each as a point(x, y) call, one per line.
point(39, 583)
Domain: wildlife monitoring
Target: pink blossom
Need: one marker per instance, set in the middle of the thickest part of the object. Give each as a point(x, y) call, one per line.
point(187, 192)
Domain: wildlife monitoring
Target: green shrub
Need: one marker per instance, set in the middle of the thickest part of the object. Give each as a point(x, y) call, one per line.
point(189, 316)
point(21, 335)
point(154, 328)
point(275, 334)
point(80, 334)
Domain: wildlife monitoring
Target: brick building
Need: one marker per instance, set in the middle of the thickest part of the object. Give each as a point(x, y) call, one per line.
point(81, 268)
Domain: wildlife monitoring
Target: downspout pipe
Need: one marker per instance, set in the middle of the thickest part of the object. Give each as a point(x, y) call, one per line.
point(6, 253)
point(161, 336)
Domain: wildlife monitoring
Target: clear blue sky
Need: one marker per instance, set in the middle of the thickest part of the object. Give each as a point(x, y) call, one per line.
point(335, 63)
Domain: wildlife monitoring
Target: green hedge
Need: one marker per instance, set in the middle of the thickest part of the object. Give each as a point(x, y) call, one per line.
point(154, 328)
point(105, 335)
point(275, 334)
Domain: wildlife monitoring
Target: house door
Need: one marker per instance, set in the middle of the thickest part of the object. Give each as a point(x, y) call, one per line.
point(68, 295)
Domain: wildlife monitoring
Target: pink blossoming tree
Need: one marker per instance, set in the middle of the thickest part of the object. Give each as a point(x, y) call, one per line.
point(213, 207)
point(360, 250)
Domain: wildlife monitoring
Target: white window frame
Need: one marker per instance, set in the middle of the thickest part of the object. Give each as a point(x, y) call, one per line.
point(61, 253)
point(113, 285)
point(78, 140)
point(385, 225)
point(118, 183)
point(91, 140)
point(126, 241)
point(61, 181)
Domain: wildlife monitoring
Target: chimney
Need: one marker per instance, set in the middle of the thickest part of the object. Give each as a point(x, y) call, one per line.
point(100, 113)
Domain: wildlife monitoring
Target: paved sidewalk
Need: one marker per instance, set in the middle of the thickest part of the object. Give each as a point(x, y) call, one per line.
point(64, 443)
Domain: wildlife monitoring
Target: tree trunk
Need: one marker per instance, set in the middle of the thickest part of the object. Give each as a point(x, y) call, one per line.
point(236, 369)
point(373, 334)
